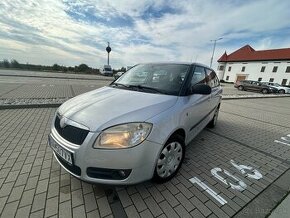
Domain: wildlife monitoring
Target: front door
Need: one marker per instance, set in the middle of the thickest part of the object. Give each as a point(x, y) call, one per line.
point(197, 107)
point(240, 77)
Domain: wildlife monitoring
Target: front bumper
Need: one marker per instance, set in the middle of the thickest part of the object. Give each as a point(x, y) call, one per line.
point(139, 161)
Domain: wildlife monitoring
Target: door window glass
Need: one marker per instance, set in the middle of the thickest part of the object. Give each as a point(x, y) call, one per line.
point(213, 81)
point(198, 76)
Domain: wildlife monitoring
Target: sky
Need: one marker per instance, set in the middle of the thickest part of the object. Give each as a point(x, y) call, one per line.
point(71, 32)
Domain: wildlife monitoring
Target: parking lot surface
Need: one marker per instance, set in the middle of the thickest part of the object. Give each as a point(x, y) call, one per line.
point(238, 169)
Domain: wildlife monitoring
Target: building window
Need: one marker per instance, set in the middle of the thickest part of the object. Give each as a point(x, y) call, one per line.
point(263, 69)
point(221, 67)
point(275, 68)
point(227, 77)
point(284, 81)
point(243, 69)
point(229, 69)
point(271, 80)
point(260, 79)
point(288, 69)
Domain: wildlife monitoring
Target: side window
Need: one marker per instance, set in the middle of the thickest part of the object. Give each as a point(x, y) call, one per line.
point(213, 80)
point(198, 76)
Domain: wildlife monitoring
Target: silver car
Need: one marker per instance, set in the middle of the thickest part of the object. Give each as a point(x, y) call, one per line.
point(136, 128)
point(281, 89)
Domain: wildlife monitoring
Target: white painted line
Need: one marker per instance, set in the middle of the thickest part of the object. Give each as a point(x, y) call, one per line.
point(287, 139)
point(208, 190)
point(284, 143)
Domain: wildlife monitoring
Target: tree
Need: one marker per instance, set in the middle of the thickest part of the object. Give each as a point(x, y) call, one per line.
point(15, 64)
point(6, 63)
point(56, 67)
point(83, 68)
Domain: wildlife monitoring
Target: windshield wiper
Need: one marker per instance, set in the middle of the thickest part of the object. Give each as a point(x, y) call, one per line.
point(147, 88)
point(120, 85)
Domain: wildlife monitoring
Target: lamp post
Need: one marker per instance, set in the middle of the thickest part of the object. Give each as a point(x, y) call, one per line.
point(214, 44)
point(108, 49)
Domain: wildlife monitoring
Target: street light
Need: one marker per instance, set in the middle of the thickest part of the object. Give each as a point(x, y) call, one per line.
point(108, 49)
point(214, 44)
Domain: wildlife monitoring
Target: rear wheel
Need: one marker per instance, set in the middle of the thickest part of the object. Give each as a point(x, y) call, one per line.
point(213, 122)
point(170, 159)
point(265, 91)
point(241, 88)
point(281, 91)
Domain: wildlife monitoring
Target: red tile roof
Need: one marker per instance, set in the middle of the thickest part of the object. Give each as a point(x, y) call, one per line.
point(247, 53)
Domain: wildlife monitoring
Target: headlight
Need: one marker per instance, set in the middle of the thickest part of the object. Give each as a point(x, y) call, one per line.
point(123, 136)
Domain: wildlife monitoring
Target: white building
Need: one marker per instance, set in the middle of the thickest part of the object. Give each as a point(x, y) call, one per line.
point(247, 63)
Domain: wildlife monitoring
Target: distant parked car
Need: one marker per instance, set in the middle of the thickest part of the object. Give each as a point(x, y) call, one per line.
point(281, 89)
point(254, 86)
point(117, 75)
point(107, 70)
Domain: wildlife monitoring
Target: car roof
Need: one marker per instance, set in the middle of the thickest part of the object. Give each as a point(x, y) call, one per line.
point(174, 62)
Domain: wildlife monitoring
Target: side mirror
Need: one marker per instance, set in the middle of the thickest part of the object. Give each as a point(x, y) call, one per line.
point(201, 89)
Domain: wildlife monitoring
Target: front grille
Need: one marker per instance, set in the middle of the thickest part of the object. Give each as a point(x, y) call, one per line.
point(70, 133)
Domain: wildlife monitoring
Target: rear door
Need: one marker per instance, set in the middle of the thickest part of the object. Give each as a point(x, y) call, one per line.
point(250, 85)
point(256, 86)
point(214, 83)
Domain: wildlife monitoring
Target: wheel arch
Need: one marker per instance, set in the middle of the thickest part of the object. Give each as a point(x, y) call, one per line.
point(180, 132)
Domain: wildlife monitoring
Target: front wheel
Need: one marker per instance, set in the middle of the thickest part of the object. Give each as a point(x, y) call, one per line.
point(281, 91)
point(170, 159)
point(265, 91)
point(241, 88)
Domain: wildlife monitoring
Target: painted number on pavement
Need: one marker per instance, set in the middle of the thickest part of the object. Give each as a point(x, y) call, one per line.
point(239, 184)
point(284, 140)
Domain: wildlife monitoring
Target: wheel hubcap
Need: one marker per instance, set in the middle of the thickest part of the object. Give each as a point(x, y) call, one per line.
point(169, 159)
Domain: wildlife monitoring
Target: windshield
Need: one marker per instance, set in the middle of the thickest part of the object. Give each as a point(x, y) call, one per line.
point(107, 69)
point(158, 78)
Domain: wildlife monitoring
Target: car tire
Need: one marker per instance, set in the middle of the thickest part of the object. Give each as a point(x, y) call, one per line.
point(170, 159)
point(241, 88)
point(265, 91)
point(281, 91)
point(213, 122)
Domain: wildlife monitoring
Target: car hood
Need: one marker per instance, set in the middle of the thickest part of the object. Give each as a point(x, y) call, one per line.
point(107, 106)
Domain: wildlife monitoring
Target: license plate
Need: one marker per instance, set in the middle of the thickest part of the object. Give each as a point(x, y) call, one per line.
point(60, 151)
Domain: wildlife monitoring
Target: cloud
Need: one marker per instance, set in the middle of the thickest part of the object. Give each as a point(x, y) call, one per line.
point(71, 32)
